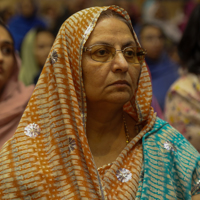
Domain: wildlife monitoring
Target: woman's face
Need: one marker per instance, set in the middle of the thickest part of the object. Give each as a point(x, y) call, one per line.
point(43, 44)
point(114, 81)
point(27, 8)
point(6, 57)
point(152, 40)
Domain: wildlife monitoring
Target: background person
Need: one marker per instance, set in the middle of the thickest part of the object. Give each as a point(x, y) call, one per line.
point(34, 52)
point(163, 70)
point(182, 109)
point(14, 95)
point(24, 21)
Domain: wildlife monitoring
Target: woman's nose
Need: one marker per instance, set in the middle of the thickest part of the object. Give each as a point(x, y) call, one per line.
point(119, 62)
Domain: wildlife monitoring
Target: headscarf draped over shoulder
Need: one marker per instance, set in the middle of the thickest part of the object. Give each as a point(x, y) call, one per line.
point(49, 156)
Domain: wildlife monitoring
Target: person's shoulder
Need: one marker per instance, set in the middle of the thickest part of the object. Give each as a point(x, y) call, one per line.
point(163, 128)
point(176, 83)
point(169, 155)
point(167, 137)
point(184, 84)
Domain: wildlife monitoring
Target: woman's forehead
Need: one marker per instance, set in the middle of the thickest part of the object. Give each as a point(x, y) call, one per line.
point(5, 36)
point(108, 30)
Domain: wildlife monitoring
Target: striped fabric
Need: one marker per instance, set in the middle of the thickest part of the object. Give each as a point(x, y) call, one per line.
point(171, 167)
point(58, 164)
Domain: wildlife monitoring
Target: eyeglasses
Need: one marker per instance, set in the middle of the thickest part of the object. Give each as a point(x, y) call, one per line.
point(7, 49)
point(106, 53)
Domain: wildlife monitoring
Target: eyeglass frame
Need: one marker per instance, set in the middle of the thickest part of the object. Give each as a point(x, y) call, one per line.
point(85, 49)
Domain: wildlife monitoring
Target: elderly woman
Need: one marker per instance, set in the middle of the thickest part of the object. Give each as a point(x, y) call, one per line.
point(89, 131)
point(14, 96)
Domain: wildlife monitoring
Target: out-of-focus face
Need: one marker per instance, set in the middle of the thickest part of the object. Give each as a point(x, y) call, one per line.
point(6, 57)
point(27, 8)
point(43, 44)
point(115, 81)
point(152, 40)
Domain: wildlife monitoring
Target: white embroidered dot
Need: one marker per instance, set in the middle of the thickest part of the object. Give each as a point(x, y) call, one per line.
point(54, 57)
point(32, 130)
point(170, 146)
point(123, 175)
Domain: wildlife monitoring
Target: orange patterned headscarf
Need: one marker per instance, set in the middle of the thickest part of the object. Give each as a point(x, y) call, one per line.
point(49, 156)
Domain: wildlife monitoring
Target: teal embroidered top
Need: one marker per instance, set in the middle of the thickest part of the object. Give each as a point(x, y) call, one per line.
point(171, 168)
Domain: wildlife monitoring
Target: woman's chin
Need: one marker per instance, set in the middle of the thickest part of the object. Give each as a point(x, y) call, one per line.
point(120, 99)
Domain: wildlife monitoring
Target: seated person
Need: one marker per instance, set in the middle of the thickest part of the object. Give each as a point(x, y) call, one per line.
point(182, 109)
point(163, 70)
point(34, 52)
point(14, 96)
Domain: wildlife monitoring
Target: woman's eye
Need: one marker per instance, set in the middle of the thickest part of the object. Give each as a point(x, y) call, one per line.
point(41, 46)
point(7, 50)
point(102, 52)
point(129, 53)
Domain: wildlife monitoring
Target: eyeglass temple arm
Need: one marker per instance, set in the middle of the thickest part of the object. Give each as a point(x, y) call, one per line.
point(85, 49)
point(143, 52)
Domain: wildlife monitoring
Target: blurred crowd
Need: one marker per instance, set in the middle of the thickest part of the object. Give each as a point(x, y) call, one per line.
point(170, 15)
point(159, 24)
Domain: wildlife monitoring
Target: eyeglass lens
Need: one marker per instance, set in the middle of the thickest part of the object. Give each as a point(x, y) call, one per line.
point(103, 53)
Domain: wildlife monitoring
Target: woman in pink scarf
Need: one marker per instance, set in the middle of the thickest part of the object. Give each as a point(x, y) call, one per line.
point(14, 95)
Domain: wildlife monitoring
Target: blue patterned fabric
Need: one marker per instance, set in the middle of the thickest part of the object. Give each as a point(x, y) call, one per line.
point(171, 168)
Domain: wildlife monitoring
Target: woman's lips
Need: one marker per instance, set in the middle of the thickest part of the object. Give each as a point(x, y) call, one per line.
point(121, 82)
